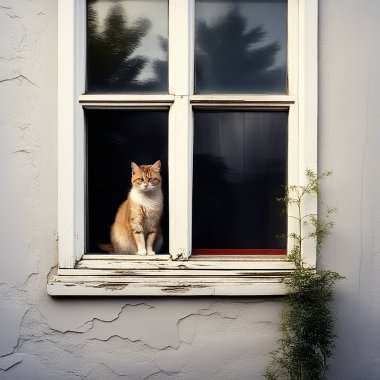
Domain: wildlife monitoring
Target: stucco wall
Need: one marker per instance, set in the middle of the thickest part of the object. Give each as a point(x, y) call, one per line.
point(45, 338)
point(349, 144)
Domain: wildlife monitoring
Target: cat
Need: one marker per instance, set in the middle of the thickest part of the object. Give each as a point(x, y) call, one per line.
point(137, 228)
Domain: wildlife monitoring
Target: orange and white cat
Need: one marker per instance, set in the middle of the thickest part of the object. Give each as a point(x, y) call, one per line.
point(137, 229)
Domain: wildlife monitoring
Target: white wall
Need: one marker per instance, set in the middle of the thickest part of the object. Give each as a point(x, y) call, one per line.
point(349, 144)
point(208, 338)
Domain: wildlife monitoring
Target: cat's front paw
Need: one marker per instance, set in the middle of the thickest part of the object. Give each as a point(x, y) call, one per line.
point(141, 252)
point(150, 252)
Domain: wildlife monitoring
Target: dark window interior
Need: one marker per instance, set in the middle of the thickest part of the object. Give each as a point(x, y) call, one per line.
point(240, 168)
point(114, 139)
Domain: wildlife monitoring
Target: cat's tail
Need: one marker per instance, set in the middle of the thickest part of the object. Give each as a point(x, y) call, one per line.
point(107, 247)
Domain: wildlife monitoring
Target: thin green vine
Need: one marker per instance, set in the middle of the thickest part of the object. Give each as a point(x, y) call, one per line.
point(307, 322)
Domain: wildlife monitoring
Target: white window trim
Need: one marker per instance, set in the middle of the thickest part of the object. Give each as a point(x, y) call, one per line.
point(159, 275)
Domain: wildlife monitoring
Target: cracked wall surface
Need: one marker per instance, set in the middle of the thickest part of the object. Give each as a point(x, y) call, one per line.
point(193, 338)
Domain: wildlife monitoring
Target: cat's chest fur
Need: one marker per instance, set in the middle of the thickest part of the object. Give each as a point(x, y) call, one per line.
point(149, 205)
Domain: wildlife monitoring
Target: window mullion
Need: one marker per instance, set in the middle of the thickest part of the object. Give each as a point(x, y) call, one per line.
point(308, 108)
point(70, 131)
point(181, 47)
point(293, 45)
point(294, 153)
point(180, 177)
point(293, 169)
point(180, 126)
point(79, 131)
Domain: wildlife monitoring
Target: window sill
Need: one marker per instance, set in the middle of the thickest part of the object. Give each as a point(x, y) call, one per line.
point(122, 275)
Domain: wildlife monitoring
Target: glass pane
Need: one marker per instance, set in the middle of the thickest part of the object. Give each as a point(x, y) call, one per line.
point(241, 46)
point(127, 46)
point(115, 138)
point(240, 161)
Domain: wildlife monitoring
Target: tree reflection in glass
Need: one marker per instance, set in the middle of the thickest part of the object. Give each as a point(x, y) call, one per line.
point(127, 46)
point(240, 46)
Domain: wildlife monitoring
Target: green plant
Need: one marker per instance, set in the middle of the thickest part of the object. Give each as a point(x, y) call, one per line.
point(307, 322)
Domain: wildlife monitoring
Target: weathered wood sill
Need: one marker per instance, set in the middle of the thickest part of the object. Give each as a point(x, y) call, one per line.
point(122, 275)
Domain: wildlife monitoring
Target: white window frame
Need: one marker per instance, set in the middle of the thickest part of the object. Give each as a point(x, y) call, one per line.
point(80, 274)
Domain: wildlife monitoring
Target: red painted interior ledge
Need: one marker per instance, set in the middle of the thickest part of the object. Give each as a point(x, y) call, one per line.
point(207, 251)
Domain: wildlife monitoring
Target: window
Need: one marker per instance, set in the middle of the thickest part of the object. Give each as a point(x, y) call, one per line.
point(122, 136)
point(225, 94)
point(239, 170)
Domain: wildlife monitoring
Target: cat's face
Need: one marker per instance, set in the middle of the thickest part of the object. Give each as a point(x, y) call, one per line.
point(146, 178)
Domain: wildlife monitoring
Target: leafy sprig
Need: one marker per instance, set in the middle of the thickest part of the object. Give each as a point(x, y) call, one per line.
point(307, 322)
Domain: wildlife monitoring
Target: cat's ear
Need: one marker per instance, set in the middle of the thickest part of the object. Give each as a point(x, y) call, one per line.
point(156, 166)
point(134, 167)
